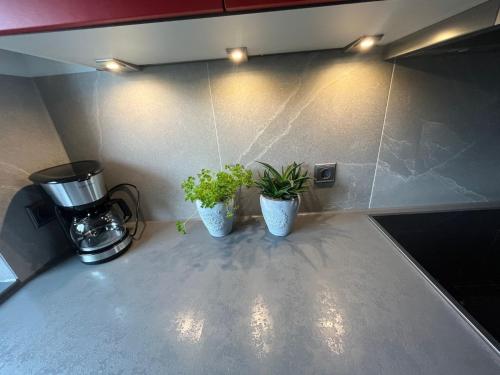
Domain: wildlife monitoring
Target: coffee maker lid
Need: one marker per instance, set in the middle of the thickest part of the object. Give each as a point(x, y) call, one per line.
point(77, 171)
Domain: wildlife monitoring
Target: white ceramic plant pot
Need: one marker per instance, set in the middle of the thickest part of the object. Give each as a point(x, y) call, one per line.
point(216, 219)
point(279, 215)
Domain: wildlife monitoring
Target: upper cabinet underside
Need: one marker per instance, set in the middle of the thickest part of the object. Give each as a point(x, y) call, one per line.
point(28, 16)
point(79, 32)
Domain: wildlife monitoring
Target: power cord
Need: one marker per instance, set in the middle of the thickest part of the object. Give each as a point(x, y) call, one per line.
point(137, 199)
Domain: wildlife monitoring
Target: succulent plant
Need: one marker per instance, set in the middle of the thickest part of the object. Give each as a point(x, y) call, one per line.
point(288, 184)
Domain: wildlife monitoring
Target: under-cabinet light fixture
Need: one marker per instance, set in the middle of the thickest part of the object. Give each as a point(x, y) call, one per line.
point(237, 55)
point(364, 44)
point(115, 65)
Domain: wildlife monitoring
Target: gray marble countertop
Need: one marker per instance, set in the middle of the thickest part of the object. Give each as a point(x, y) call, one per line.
point(334, 297)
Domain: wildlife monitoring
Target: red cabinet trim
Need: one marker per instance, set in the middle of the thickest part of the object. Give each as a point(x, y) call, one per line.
point(29, 16)
point(22, 16)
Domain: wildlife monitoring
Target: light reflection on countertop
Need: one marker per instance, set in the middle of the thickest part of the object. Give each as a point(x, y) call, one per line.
point(189, 326)
point(330, 322)
point(261, 325)
point(98, 275)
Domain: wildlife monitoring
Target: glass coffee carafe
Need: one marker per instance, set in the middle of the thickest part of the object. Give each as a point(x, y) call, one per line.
point(101, 227)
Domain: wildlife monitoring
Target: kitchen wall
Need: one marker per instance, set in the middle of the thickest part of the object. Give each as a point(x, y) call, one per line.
point(156, 127)
point(441, 141)
point(420, 132)
point(28, 142)
point(28, 139)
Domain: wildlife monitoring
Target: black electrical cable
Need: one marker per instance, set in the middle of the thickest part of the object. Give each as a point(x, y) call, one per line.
point(137, 205)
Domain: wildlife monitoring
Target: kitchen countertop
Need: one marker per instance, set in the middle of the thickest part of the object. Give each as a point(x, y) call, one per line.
point(335, 296)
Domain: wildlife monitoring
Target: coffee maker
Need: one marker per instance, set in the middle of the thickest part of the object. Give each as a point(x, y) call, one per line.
point(91, 218)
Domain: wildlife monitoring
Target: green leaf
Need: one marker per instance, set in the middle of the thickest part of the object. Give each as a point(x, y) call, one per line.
point(270, 169)
point(288, 184)
point(211, 187)
point(181, 226)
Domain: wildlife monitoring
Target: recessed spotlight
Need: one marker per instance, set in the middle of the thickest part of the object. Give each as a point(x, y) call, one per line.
point(367, 43)
point(364, 43)
point(237, 55)
point(115, 65)
point(112, 65)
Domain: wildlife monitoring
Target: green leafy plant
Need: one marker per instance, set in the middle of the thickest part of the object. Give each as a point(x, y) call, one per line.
point(286, 185)
point(211, 187)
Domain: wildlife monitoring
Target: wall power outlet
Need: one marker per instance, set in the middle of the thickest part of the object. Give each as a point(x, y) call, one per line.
point(324, 174)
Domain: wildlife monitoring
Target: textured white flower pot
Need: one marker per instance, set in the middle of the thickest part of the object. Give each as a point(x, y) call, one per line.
point(279, 215)
point(215, 218)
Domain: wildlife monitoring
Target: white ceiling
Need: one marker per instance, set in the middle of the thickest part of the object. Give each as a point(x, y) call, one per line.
point(263, 33)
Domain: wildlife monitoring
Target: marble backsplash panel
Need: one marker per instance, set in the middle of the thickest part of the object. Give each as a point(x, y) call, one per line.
point(154, 128)
point(314, 108)
point(28, 139)
point(151, 129)
point(28, 142)
point(441, 137)
point(158, 126)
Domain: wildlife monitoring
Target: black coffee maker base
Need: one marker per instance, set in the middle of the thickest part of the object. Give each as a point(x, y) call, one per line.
point(106, 254)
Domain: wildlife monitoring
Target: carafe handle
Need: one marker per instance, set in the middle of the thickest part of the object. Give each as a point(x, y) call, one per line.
point(123, 207)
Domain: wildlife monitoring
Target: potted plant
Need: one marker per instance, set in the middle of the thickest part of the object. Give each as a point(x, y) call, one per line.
point(214, 194)
point(280, 196)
